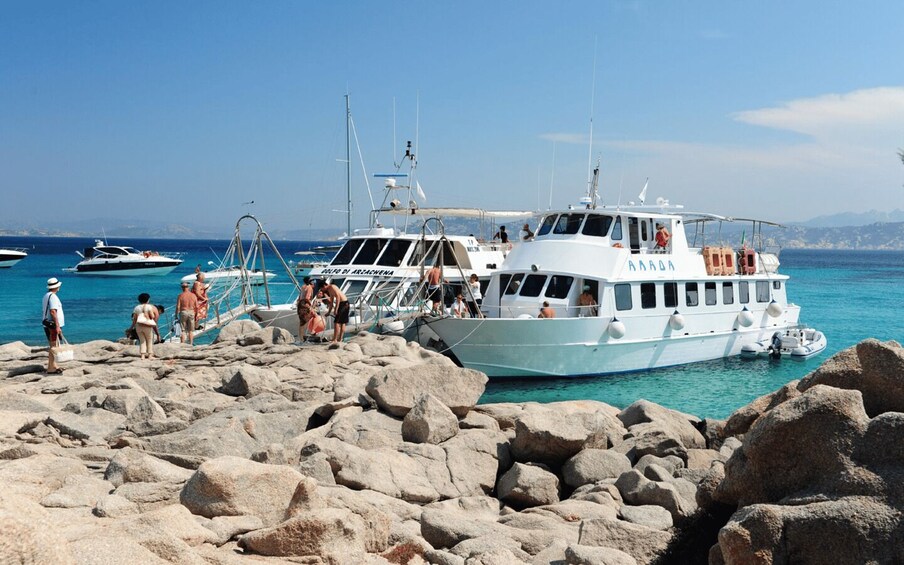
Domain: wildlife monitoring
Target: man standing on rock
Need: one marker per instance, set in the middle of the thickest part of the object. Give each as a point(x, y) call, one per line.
point(53, 322)
point(340, 309)
point(186, 311)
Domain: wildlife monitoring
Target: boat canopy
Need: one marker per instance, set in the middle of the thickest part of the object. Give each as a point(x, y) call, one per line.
point(458, 212)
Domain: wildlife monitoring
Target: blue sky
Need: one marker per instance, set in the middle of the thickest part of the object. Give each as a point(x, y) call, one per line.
point(182, 111)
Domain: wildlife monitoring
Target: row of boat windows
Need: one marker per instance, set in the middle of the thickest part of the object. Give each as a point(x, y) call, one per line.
point(532, 286)
point(569, 224)
point(624, 299)
point(387, 253)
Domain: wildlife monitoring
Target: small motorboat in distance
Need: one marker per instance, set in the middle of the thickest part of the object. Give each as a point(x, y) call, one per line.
point(231, 274)
point(116, 260)
point(316, 258)
point(797, 343)
point(11, 256)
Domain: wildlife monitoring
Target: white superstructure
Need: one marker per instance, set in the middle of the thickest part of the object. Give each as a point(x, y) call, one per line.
point(654, 307)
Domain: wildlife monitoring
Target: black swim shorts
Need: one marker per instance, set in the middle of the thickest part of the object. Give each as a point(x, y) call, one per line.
point(342, 312)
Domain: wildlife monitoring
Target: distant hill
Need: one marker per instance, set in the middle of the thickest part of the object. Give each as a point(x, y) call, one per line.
point(853, 219)
point(876, 235)
point(99, 227)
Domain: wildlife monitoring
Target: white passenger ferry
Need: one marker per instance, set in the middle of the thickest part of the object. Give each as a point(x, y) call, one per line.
point(380, 269)
point(653, 307)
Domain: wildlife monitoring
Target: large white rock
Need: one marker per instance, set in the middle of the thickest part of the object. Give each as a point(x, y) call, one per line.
point(397, 390)
point(593, 465)
point(430, 421)
point(231, 486)
point(528, 485)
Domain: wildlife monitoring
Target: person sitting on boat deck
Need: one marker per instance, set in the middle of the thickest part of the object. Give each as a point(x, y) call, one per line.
point(186, 309)
point(662, 238)
point(526, 234)
point(339, 307)
point(546, 311)
point(313, 327)
point(434, 288)
point(501, 235)
point(459, 308)
point(475, 297)
point(587, 303)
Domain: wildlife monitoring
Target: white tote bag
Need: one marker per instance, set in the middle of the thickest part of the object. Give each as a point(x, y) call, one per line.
point(63, 352)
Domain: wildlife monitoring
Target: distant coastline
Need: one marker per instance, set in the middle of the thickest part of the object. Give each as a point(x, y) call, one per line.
point(879, 236)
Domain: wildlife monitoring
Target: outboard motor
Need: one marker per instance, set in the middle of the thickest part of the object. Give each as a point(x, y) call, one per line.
point(776, 348)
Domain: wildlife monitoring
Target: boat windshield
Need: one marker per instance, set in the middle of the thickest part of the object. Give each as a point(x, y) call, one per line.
point(114, 250)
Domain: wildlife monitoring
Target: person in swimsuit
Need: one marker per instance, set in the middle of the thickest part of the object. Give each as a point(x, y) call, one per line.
point(434, 288)
point(186, 310)
point(340, 310)
point(200, 290)
point(546, 311)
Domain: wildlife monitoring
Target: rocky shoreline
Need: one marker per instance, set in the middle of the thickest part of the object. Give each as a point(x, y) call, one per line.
point(255, 450)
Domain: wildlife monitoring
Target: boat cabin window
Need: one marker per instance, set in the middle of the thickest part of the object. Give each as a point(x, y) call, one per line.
point(616, 230)
point(643, 230)
point(670, 290)
point(648, 295)
point(409, 295)
point(345, 255)
point(514, 284)
point(623, 297)
point(337, 282)
point(354, 290)
point(777, 285)
point(597, 225)
point(762, 291)
point(634, 235)
point(710, 293)
point(533, 285)
point(559, 285)
point(433, 248)
point(546, 225)
point(114, 250)
point(369, 251)
point(394, 253)
point(743, 292)
point(691, 296)
point(727, 293)
point(568, 224)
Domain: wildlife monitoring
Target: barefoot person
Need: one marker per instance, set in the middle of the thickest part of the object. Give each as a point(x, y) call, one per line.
point(434, 288)
point(340, 309)
point(53, 322)
point(186, 310)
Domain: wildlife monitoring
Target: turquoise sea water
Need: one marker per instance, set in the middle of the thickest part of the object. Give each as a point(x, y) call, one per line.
point(849, 295)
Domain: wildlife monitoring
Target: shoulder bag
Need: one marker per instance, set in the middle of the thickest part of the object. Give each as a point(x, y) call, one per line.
point(144, 320)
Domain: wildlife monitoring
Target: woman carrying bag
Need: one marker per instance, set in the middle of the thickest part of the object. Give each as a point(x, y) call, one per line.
point(53, 322)
point(144, 321)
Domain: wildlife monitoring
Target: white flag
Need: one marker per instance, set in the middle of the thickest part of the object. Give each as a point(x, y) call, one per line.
point(420, 191)
point(643, 193)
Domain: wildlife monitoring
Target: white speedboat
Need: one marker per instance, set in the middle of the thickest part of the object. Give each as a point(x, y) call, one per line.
point(229, 275)
point(116, 260)
point(796, 343)
point(316, 258)
point(11, 256)
point(653, 307)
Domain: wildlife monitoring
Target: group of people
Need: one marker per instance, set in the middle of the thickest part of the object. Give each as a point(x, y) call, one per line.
point(467, 301)
point(315, 303)
point(191, 309)
point(586, 305)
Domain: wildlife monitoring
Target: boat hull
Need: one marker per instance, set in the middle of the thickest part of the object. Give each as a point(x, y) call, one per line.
point(8, 258)
point(535, 348)
point(127, 269)
point(254, 277)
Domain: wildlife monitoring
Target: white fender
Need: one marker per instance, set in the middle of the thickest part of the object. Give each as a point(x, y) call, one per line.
point(676, 321)
point(774, 309)
point(745, 317)
point(616, 329)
